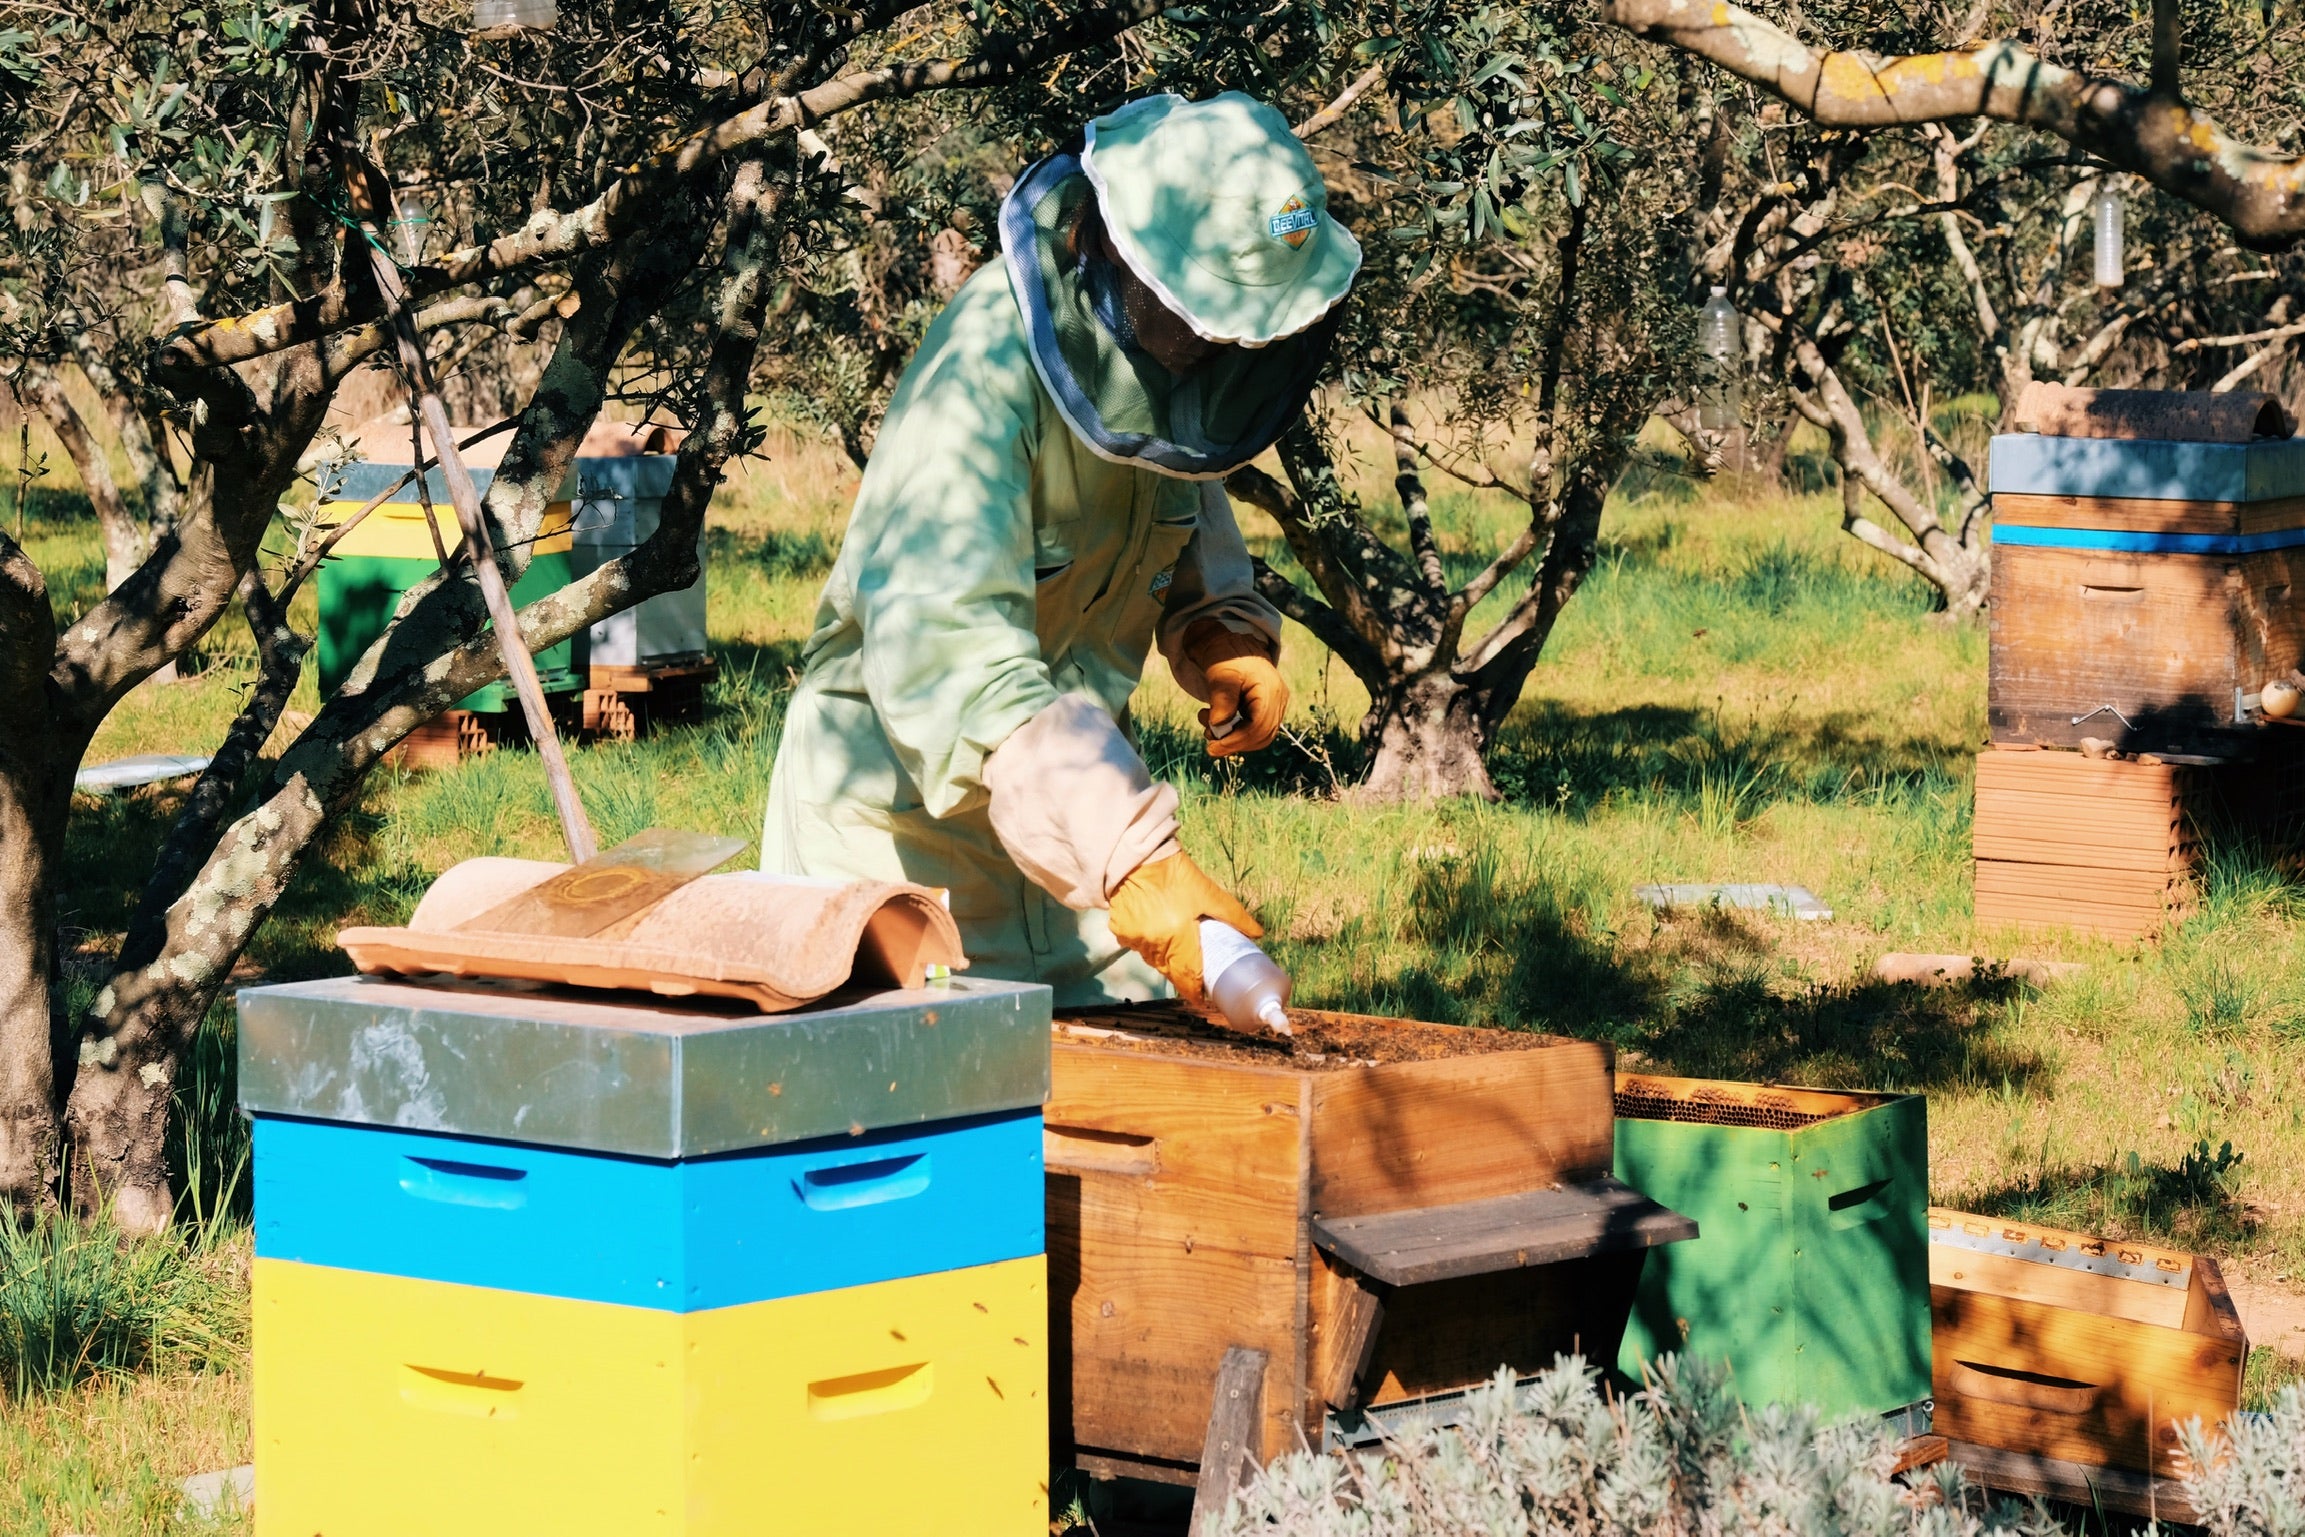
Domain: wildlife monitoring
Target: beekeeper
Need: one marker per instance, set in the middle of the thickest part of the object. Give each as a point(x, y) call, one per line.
point(1044, 504)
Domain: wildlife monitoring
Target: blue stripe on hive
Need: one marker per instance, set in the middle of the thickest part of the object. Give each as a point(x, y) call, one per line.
point(675, 1236)
point(2128, 541)
point(2029, 464)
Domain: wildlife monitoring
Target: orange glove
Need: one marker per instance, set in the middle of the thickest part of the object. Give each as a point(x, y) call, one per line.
point(1247, 698)
point(1158, 910)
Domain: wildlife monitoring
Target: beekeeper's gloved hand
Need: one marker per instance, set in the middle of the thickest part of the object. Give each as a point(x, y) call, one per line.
point(1157, 912)
point(1245, 688)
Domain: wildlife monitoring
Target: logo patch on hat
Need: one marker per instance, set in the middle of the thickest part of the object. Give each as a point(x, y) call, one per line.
point(1293, 225)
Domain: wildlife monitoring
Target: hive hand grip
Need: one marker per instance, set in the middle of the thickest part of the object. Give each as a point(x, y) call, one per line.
point(1859, 1204)
point(881, 1392)
point(1088, 1150)
point(2023, 1389)
point(845, 1186)
point(497, 1187)
point(476, 1395)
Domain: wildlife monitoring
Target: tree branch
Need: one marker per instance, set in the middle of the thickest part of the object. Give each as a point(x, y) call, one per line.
point(2248, 339)
point(1326, 624)
point(1332, 114)
point(1948, 153)
point(1348, 596)
point(279, 660)
point(2259, 193)
point(2168, 51)
point(1410, 488)
point(38, 386)
point(636, 198)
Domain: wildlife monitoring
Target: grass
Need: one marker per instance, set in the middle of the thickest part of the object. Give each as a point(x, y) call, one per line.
point(1739, 693)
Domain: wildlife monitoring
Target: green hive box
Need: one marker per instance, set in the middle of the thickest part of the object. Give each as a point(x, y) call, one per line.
point(1810, 1272)
point(390, 551)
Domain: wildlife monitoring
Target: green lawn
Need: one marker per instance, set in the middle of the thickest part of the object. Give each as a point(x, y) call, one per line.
point(1740, 692)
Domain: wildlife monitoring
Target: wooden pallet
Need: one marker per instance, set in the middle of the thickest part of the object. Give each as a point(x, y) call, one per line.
point(624, 704)
point(2076, 1483)
point(2097, 846)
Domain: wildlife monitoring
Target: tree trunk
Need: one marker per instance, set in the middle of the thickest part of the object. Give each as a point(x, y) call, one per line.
point(1430, 735)
point(136, 1033)
point(124, 545)
point(28, 1125)
point(1968, 579)
point(31, 841)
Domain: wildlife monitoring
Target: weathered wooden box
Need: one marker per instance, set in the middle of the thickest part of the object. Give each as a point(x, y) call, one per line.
point(2143, 592)
point(1388, 1211)
point(2097, 846)
point(1810, 1278)
point(2078, 1349)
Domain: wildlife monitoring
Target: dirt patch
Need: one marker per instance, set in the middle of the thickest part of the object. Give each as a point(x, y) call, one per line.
point(2273, 1316)
point(1323, 1041)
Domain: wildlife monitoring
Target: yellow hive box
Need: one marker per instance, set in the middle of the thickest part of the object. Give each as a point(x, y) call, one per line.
point(390, 1406)
point(395, 530)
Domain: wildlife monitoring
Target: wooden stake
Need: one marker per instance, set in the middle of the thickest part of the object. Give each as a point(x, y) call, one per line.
point(575, 826)
point(1236, 1415)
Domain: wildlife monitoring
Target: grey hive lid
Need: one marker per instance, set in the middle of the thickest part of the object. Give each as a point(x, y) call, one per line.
point(2030, 464)
point(360, 481)
point(651, 1082)
point(641, 476)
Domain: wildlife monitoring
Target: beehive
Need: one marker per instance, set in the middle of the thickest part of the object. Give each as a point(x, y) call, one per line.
point(1389, 1211)
point(1809, 1277)
point(2075, 1348)
point(618, 501)
point(603, 1268)
point(2144, 592)
point(390, 551)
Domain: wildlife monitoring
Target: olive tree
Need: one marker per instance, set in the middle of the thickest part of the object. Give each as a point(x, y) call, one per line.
point(1886, 260)
point(183, 215)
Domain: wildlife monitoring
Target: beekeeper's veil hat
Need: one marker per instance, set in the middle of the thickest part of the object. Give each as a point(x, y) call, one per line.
point(1217, 207)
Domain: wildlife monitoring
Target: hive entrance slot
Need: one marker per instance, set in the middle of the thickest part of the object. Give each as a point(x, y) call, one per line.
point(881, 1392)
point(865, 1184)
point(1091, 1149)
point(1857, 1197)
point(2028, 1390)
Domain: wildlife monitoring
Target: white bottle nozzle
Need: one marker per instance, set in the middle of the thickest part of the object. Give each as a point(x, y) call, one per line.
point(1243, 982)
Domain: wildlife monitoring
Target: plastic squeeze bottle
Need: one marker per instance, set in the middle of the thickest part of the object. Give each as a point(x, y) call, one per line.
point(1243, 983)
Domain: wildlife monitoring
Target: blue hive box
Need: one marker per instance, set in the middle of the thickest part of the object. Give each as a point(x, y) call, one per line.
point(645, 1156)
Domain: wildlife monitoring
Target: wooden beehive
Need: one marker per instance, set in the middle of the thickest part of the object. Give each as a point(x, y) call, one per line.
point(2143, 591)
point(2098, 846)
point(2076, 1349)
point(1377, 1206)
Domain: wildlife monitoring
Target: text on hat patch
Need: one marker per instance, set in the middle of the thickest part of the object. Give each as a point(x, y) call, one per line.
point(1293, 224)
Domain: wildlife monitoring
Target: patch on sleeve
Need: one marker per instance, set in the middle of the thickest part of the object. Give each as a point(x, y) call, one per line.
point(1161, 582)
